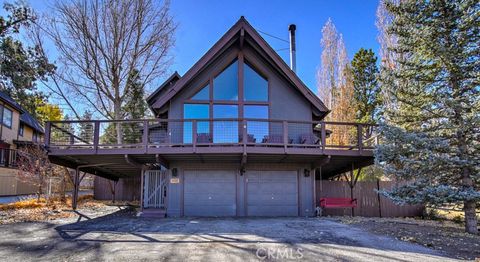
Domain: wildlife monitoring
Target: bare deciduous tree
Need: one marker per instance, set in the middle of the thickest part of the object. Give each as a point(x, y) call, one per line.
point(34, 167)
point(335, 82)
point(100, 43)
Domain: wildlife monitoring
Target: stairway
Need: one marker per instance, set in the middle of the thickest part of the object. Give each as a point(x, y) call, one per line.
point(154, 213)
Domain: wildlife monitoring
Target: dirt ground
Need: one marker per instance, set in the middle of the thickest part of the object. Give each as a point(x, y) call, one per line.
point(443, 235)
point(113, 233)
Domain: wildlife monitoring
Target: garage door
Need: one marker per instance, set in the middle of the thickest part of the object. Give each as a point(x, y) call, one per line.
point(272, 193)
point(210, 193)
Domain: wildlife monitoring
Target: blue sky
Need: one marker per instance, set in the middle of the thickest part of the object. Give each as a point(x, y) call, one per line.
point(202, 23)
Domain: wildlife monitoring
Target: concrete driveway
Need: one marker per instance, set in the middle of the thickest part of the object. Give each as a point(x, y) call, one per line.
point(121, 236)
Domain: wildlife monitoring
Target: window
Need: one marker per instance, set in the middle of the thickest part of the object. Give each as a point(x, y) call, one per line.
point(224, 104)
point(255, 86)
point(225, 131)
point(257, 130)
point(225, 85)
point(7, 117)
point(203, 94)
point(35, 137)
point(195, 111)
point(20, 129)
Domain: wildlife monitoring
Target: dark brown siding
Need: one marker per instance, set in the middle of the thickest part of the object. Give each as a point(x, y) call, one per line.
point(367, 199)
point(127, 189)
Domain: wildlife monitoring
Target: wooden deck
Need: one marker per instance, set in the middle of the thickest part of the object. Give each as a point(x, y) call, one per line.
point(119, 147)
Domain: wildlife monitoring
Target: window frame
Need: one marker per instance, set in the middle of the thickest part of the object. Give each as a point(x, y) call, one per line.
point(21, 129)
point(3, 117)
point(240, 102)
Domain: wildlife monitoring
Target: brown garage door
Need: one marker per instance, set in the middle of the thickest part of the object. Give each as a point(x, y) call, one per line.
point(210, 193)
point(272, 193)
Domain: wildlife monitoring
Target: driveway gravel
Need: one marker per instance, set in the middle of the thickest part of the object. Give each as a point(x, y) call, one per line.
point(121, 236)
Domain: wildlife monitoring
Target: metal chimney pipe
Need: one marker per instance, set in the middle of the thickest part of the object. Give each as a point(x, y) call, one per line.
point(293, 48)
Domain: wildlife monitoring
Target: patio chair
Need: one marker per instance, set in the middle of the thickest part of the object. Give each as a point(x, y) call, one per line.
point(204, 138)
point(309, 139)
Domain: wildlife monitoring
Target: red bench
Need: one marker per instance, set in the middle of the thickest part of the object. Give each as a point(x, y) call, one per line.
point(337, 203)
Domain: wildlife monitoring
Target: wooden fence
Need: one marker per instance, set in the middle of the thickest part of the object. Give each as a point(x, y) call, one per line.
point(370, 204)
point(11, 186)
point(127, 189)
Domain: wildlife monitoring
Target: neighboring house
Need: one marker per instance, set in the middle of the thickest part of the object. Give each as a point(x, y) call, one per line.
point(238, 135)
point(17, 129)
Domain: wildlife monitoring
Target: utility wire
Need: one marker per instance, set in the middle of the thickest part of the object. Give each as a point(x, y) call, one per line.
point(282, 49)
point(276, 37)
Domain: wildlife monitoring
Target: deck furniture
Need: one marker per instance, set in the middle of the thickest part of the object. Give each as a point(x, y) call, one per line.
point(309, 139)
point(337, 203)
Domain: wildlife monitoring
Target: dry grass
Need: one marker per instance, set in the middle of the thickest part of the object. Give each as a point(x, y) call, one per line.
point(32, 210)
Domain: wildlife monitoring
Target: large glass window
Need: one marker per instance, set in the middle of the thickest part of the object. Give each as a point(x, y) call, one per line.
point(225, 131)
point(196, 111)
point(203, 94)
point(225, 85)
point(255, 86)
point(7, 117)
point(224, 105)
point(257, 130)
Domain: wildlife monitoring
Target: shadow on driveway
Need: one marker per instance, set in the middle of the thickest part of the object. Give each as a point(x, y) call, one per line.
point(123, 236)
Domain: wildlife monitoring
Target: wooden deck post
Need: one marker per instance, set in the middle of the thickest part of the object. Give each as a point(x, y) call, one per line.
point(360, 137)
point(96, 135)
point(48, 127)
point(76, 184)
point(142, 173)
point(324, 135)
point(145, 135)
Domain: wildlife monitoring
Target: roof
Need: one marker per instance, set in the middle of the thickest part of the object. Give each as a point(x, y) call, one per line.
point(240, 28)
point(163, 88)
point(8, 100)
point(25, 117)
point(29, 120)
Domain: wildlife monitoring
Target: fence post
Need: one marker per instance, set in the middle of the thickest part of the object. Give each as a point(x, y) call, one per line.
point(285, 135)
point(378, 197)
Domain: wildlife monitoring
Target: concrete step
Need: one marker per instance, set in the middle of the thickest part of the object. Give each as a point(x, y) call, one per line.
point(154, 212)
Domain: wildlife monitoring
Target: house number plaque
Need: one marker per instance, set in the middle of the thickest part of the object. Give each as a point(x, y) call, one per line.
point(174, 180)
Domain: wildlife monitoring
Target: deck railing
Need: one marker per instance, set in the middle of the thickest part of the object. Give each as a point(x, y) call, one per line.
point(8, 157)
point(156, 133)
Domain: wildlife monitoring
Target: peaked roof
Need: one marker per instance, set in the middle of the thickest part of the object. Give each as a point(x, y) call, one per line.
point(239, 29)
point(8, 100)
point(31, 121)
point(25, 117)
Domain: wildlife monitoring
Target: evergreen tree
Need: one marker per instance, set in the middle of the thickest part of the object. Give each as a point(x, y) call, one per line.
point(366, 89)
point(135, 106)
point(86, 128)
point(20, 66)
point(431, 137)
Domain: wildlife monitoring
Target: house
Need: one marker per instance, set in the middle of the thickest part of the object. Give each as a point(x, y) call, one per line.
point(17, 129)
point(238, 135)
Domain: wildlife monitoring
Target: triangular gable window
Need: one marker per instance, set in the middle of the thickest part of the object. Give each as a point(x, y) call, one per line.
point(225, 85)
point(203, 94)
point(255, 86)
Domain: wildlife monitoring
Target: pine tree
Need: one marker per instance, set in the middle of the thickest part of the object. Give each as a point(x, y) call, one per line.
point(86, 128)
point(431, 138)
point(366, 88)
point(135, 104)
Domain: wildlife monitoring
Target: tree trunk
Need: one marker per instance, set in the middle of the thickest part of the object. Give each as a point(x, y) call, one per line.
point(118, 125)
point(470, 216)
